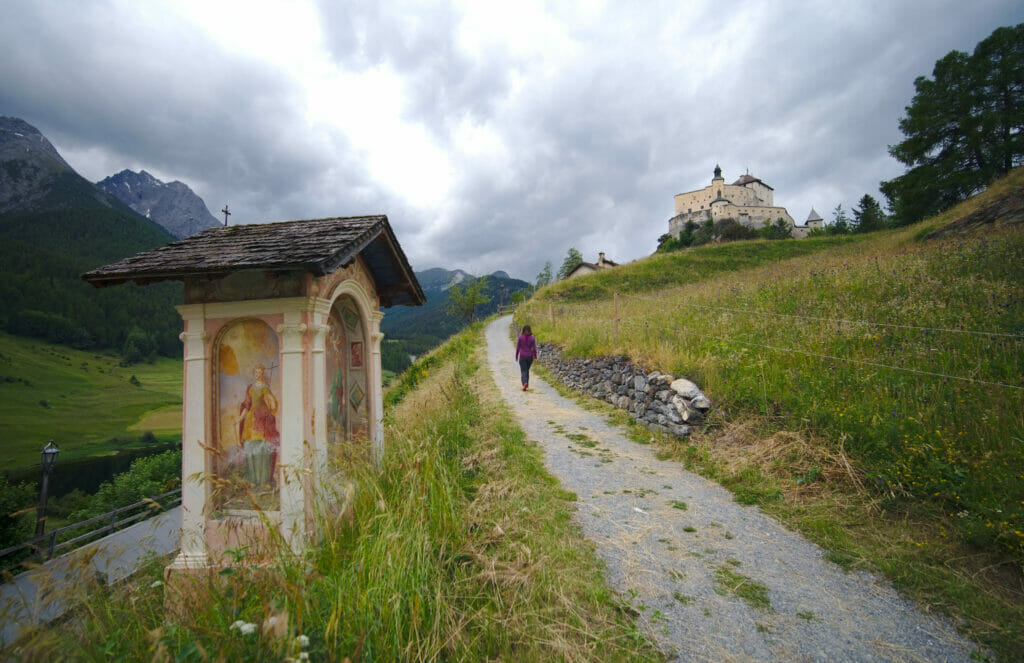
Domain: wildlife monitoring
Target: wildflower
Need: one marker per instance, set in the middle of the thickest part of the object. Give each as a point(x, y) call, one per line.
point(245, 628)
point(303, 641)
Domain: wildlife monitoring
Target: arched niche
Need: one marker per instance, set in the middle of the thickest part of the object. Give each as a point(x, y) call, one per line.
point(348, 403)
point(247, 397)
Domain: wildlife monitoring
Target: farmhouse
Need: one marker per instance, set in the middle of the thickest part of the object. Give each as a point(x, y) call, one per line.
point(748, 201)
point(591, 267)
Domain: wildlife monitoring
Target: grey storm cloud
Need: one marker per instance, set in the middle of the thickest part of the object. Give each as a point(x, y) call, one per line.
point(573, 127)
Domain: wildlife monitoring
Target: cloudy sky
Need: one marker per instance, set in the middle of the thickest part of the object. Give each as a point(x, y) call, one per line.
point(493, 135)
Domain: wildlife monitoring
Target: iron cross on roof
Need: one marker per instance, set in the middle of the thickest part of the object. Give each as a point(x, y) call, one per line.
point(226, 214)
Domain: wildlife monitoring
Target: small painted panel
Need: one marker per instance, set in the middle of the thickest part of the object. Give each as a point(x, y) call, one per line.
point(351, 318)
point(249, 442)
point(357, 397)
point(357, 354)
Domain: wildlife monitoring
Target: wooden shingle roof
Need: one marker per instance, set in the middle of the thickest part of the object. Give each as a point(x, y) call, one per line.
point(318, 246)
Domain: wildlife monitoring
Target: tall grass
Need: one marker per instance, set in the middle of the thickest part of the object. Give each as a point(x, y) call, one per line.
point(871, 345)
point(458, 547)
point(869, 392)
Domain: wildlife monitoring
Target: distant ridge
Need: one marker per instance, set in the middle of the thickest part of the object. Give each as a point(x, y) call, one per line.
point(173, 205)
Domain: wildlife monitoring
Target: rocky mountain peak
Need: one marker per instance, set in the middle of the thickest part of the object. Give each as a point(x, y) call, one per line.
point(28, 163)
point(173, 205)
point(20, 140)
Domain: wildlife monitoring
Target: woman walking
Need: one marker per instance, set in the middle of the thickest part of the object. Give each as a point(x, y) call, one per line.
point(526, 352)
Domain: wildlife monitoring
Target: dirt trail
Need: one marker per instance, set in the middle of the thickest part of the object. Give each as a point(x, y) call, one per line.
point(711, 579)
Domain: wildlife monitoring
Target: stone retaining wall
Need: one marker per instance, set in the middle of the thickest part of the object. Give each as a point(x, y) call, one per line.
point(655, 400)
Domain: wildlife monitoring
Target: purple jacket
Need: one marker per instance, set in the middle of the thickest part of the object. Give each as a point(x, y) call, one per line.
point(526, 346)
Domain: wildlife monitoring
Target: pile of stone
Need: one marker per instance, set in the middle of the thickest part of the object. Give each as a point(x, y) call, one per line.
point(656, 400)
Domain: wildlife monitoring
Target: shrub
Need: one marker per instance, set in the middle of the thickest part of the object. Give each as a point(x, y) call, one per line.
point(147, 477)
point(15, 523)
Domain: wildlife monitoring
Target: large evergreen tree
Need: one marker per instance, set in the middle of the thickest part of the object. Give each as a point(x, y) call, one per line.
point(963, 127)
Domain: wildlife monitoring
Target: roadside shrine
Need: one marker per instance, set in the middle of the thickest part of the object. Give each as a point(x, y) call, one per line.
point(282, 369)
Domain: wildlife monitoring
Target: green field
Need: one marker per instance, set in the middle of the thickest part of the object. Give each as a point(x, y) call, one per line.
point(81, 400)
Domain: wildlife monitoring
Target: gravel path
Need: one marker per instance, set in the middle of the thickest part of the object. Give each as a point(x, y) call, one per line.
point(674, 542)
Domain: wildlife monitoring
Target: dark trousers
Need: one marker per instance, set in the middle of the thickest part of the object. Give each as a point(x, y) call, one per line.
point(524, 368)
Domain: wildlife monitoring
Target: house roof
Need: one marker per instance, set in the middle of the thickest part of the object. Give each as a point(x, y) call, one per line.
point(593, 265)
point(747, 179)
point(319, 246)
point(814, 216)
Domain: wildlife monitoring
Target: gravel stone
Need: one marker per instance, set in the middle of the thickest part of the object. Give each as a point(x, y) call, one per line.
point(662, 558)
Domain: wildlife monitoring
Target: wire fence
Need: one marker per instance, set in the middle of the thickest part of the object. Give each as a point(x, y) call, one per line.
point(593, 315)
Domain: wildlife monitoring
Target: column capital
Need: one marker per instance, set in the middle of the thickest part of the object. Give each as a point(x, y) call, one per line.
point(195, 344)
point(292, 335)
point(319, 332)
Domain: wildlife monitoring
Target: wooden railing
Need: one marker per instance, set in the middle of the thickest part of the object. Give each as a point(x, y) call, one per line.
point(54, 542)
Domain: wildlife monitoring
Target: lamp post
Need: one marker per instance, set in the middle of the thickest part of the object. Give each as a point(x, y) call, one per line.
point(50, 452)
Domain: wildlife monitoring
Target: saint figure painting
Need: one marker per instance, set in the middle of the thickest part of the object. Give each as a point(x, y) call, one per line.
point(257, 430)
point(248, 386)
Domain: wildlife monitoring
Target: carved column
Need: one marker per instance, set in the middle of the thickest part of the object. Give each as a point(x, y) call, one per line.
point(193, 440)
point(292, 469)
point(376, 384)
point(319, 400)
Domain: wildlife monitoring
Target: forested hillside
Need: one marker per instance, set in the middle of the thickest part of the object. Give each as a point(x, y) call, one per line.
point(56, 225)
point(413, 330)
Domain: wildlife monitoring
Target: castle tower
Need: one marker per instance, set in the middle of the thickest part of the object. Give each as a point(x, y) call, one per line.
point(814, 220)
point(717, 182)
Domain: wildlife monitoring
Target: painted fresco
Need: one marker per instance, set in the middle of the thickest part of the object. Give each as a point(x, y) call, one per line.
point(337, 380)
point(248, 393)
point(346, 382)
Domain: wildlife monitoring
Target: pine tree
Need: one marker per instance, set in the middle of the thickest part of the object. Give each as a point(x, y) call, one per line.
point(868, 216)
point(963, 128)
point(544, 277)
point(572, 258)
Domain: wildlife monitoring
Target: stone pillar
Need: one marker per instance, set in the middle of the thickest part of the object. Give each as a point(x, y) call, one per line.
point(318, 400)
point(375, 383)
point(291, 465)
point(192, 553)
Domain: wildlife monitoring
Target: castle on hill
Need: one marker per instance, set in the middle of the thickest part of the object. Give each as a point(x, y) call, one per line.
point(748, 201)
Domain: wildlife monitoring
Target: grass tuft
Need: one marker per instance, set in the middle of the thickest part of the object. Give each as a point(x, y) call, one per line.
point(459, 546)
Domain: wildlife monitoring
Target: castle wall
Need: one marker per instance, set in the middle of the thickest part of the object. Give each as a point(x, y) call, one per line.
point(695, 201)
point(749, 215)
point(751, 204)
point(752, 216)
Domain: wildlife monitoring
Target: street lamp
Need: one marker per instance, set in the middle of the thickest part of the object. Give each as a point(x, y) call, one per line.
point(50, 452)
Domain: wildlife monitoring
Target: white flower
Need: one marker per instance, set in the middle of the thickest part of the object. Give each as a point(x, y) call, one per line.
point(245, 628)
point(304, 656)
point(303, 641)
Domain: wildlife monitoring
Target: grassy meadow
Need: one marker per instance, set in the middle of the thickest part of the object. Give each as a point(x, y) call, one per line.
point(868, 389)
point(82, 400)
point(458, 547)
